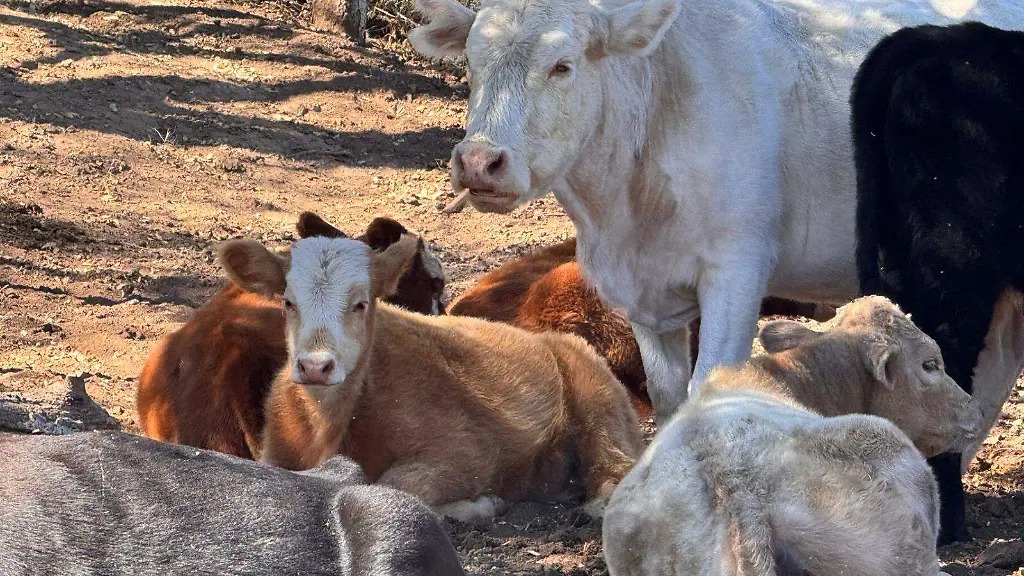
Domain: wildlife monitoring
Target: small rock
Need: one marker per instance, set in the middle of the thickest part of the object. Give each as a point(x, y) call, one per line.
point(956, 569)
point(50, 328)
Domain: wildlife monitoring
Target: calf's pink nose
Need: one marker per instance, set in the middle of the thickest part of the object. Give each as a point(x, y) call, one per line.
point(315, 369)
point(482, 165)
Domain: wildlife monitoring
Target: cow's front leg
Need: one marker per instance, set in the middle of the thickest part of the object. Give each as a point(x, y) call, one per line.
point(730, 299)
point(666, 358)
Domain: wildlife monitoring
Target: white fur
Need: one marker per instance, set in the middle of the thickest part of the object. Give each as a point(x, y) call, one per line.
point(479, 511)
point(451, 19)
point(325, 275)
point(739, 475)
point(700, 177)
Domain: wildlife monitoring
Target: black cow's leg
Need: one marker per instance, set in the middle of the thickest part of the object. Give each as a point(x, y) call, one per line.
point(952, 499)
point(956, 310)
point(961, 337)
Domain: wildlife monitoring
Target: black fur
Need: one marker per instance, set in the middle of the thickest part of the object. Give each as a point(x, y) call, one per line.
point(111, 503)
point(938, 133)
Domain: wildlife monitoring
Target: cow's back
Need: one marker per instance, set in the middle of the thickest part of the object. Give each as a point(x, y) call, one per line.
point(111, 503)
point(500, 294)
point(205, 384)
point(488, 388)
point(798, 491)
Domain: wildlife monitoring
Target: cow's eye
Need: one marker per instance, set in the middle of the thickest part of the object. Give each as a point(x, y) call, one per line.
point(561, 69)
point(287, 304)
point(359, 306)
point(930, 366)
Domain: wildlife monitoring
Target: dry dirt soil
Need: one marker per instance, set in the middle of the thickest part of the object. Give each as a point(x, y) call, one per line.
point(135, 135)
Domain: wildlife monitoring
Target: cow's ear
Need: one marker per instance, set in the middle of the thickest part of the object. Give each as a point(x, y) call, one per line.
point(782, 335)
point(388, 267)
point(446, 28)
point(636, 29)
point(310, 224)
point(880, 353)
point(250, 265)
point(383, 232)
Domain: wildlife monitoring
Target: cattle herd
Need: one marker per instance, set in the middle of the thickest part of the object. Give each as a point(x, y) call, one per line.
point(718, 159)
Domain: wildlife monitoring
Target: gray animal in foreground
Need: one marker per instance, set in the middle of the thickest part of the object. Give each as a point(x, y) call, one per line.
point(112, 503)
point(769, 469)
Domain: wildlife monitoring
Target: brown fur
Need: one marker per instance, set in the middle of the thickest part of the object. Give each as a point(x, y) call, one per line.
point(452, 409)
point(546, 291)
point(205, 384)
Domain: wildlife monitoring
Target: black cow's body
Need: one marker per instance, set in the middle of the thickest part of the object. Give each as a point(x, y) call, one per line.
point(938, 130)
point(110, 503)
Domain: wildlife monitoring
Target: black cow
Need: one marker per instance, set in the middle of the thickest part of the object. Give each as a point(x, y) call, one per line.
point(111, 503)
point(938, 132)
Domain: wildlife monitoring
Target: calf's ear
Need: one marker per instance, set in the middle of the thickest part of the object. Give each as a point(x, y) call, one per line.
point(310, 225)
point(781, 335)
point(636, 29)
point(446, 28)
point(250, 265)
point(880, 352)
point(383, 232)
point(388, 267)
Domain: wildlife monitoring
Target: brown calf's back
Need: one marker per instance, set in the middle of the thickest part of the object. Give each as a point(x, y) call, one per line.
point(545, 290)
point(204, 384)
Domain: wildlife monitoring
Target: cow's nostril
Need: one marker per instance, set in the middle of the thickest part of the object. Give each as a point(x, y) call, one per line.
point(329, 367)
point(496, 165)
point(302, 367)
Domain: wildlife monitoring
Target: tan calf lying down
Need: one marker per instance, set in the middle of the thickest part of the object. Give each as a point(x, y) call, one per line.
point(761, 473)
point(206, 383)
point(461, 412)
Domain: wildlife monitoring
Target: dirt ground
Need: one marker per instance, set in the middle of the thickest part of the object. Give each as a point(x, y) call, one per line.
point(134, 136)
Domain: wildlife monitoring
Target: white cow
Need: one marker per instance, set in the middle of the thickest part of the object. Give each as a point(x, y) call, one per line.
point(701, 147)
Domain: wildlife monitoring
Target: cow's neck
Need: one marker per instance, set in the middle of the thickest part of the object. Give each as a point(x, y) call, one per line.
point(619, 182)
point(828, 377)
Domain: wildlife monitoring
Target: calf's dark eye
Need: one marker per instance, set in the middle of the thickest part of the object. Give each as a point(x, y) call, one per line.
point(359, 306)
point(930, 366)
point(287, 304)
point(561, 69)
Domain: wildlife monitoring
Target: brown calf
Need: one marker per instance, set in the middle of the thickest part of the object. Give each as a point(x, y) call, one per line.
point(461, 412)
point(546, 291)
point(205, 385)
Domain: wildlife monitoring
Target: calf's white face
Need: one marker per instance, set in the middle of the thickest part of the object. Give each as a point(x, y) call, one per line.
point(326, 304)
point(534, 69)
point(328, 288)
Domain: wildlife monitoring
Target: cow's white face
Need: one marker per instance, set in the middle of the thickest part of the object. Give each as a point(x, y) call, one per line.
point(328, 288)
point(327, 302)
point(534, 70)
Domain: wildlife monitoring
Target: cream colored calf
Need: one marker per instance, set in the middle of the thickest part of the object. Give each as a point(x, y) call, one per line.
point(768, 470)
